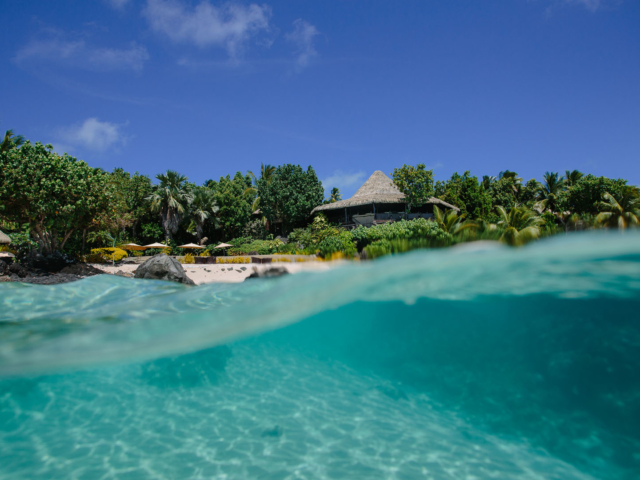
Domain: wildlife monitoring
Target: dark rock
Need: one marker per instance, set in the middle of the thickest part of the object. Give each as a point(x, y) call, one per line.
point(18, 270)
point(163, 267)
point(243, 268)
point(52, 279)
point(4, 268)
point(81, 269)
point(269, 272)
point(51, 263)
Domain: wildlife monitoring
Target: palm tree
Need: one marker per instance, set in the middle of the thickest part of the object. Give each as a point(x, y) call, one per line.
point(266, 174)
point(451, 222)
point(335, 196)
point(517, 181)
point(487, 182)
point(170, 198)
point(519, 225)
point(11, 141)
point(572, 177)
point(549, 191)
point(203, 207)
point(620, 212)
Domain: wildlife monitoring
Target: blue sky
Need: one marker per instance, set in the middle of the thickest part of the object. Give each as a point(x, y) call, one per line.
point(208, 88)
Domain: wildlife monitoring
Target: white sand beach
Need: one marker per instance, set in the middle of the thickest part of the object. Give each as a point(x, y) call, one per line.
point(228, 273)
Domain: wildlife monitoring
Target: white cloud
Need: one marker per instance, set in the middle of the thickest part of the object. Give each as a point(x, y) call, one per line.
point(591, 5)
point(78, 53)
point(92, 134)
point(303, 36)
point(343, 180)
point(117, 4)
point(228, 26)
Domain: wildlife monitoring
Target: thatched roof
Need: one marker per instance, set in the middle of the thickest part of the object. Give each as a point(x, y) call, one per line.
point(378, 189)
point(4, 239)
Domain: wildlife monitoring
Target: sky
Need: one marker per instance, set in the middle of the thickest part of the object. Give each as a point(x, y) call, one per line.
point(209, 88)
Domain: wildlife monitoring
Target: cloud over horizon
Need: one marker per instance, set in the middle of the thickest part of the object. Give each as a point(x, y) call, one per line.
point(343, 180)
point(80, 54)
point(302, 36)
point(229, 26)
point(92, 134)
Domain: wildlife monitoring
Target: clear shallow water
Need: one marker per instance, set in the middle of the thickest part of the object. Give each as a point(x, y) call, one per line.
point(467, 363)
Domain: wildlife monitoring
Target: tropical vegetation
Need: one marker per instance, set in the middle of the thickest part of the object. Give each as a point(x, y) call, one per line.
point(55, 202)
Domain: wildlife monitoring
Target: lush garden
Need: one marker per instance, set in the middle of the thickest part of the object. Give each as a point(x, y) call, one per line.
point(52, 202)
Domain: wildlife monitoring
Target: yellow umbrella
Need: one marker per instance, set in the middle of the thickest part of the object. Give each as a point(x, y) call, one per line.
point(190, 245)
point(133, 246)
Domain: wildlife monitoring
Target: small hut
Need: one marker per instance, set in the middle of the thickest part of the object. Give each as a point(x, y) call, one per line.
point(4, 239)
point(377, 201)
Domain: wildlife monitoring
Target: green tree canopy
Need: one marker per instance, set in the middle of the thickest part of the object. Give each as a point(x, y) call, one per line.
point(233, 203)
point(415, 182)
point(171, 198)
point(622, 211)
point(54, 195)
point(587, 193)
point(290, 195)
point(466, 193)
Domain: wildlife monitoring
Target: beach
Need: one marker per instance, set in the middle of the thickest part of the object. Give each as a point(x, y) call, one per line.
point(225, 273)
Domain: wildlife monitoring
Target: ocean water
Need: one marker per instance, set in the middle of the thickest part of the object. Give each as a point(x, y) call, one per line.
point(478, 362)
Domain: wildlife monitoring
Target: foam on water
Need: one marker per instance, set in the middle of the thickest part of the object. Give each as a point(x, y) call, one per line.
point(463, 363)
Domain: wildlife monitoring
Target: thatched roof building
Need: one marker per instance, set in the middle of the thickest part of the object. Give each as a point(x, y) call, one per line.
point(378, 190)
point(4, 239)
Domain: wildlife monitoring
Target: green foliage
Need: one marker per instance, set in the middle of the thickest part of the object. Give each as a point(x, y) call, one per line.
point(21, 243)
point(417, 229)
point(451, 222)
point(255, 229)
point(259, 247)
point(622, 211)
point(342, 242)
point(334, 197)
point(170, 198)
point(415, 182)
point(11, 141)
point(549, 192)
point(234, 206)
point(465, 192)
point(151, 232)
point(290, 196)
point(587, 193)
point(54, 195)
point(519, 225)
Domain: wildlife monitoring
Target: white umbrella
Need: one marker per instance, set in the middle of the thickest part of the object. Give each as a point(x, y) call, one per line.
point(191, 245)
point(156, 245)
point(223, 245)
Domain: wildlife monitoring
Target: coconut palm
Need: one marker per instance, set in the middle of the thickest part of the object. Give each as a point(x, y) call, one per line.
point(487, 182)
point(11, 141)
point(451, 222)
point(266, 173)
point(572, 177)
point(620, 212)
point(335, 196)
point(203, 207)
point(519, 225)
point(549, 191)
point(170, 198)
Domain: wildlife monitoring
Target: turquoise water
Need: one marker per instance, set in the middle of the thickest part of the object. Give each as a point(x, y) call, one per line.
point(469, 363)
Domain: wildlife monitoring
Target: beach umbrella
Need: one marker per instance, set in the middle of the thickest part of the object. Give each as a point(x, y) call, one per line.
point(4, 239)
point(133, 246)
point(223, 245)
point(156, 245)
point(190, 245)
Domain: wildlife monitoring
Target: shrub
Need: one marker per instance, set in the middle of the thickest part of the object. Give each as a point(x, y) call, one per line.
point(258, 247)
point(105, 255)
point(418, 229)
point(233, 260)
point(205, 253)
point(187, 259)
point(343, 243)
